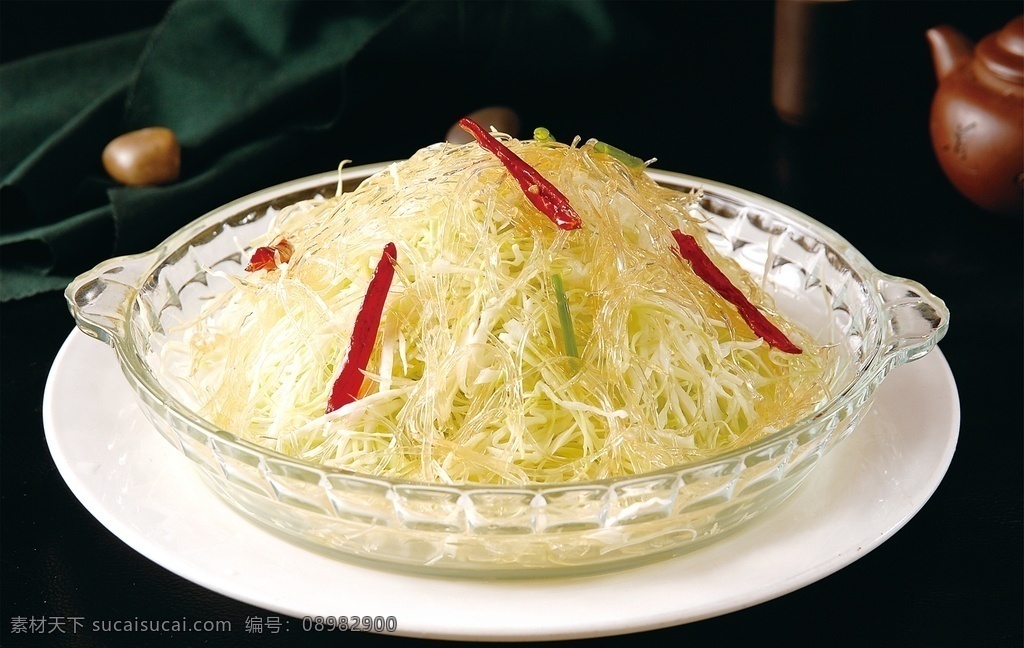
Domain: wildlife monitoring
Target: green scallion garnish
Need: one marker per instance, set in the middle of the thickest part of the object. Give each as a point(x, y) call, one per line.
point(542, 134)
point(620, 155)
point(565, 317)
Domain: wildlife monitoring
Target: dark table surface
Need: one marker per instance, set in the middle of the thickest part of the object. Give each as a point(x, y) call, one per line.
point(952, 576)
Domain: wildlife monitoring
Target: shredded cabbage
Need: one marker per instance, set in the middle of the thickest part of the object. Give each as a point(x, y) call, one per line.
point(469, 379)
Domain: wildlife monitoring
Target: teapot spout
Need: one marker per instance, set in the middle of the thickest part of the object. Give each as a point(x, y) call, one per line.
point(949, 48)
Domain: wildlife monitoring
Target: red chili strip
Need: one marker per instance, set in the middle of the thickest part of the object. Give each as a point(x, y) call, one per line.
point(266, 257)
point(545, 196)
point(364, 332)
point(706, 269)
point(284, 250)
point(262, 259)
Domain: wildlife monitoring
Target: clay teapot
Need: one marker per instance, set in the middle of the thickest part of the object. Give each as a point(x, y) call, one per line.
point(977, 118)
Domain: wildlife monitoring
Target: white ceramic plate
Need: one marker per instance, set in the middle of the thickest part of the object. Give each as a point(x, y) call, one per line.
point(148, 495)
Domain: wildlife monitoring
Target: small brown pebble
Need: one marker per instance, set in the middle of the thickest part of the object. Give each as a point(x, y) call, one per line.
point(149, 156)
point(503, 119)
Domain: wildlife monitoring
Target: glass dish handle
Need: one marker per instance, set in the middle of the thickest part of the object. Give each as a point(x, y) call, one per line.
point(915, 319)
point(101, 298)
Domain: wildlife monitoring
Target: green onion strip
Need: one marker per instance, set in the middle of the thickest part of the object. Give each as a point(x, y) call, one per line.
point(565, 317)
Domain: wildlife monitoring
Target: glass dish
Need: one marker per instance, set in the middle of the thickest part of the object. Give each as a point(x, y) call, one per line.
point(873, 321)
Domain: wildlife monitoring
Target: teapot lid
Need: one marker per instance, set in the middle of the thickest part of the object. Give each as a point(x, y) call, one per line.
point(1003, 52)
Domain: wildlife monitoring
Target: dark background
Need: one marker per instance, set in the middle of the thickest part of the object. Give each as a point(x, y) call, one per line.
point(699, 99)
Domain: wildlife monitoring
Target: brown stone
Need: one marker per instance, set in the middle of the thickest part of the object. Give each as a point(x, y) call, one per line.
point(149, 156)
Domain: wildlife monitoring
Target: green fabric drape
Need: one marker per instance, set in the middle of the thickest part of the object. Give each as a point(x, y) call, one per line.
point(258, 92)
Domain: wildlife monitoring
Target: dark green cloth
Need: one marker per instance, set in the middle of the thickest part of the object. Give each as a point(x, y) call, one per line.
point(260, 92)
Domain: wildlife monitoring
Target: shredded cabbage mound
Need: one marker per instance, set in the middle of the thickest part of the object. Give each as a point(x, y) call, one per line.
point(469, 380)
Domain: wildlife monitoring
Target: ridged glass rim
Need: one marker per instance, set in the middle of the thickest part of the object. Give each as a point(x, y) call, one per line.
point(875, 362)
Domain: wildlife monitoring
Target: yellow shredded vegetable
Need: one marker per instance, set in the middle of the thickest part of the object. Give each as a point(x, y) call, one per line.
point(469, 380)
